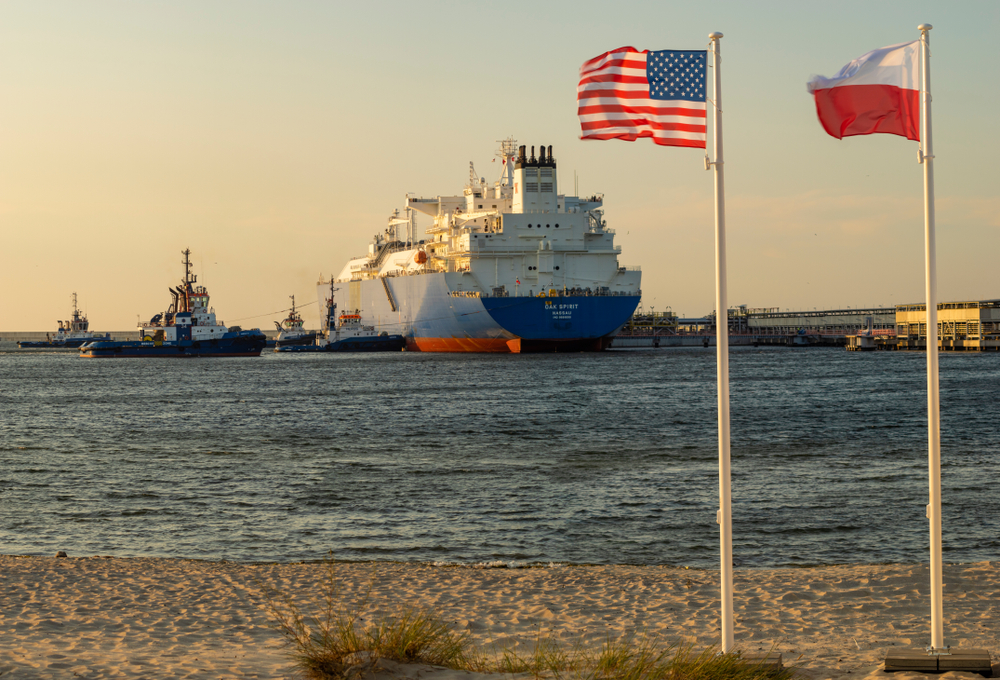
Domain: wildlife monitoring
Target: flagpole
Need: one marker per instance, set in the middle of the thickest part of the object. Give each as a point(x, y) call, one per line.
point(933, 396)
point(724, 517)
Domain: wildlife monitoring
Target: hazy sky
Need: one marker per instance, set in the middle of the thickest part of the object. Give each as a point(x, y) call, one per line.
point(273, 139)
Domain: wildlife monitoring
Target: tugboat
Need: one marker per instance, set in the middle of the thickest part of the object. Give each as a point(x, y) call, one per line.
point(70, 335)
point(349, 335)
point(346, 333)
point(187, 328)
point(291, 333)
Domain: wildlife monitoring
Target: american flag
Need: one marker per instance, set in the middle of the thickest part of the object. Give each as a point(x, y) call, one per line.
point(628, 94)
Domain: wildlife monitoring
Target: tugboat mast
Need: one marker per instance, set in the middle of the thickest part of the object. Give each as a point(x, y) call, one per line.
point(188, 276)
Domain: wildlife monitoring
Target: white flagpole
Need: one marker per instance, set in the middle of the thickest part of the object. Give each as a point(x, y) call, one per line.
point(724, 518)
point(933, 398)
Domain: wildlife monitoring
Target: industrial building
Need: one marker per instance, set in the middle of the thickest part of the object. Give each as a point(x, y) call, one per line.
point(970, 325)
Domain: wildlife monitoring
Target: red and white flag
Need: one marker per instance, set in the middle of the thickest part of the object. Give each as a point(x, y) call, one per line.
point(878, 92)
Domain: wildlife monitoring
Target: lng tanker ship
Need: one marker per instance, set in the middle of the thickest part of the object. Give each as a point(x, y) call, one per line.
point(512, 267)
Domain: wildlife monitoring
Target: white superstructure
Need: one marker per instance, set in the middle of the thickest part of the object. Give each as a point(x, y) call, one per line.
point(515, 238)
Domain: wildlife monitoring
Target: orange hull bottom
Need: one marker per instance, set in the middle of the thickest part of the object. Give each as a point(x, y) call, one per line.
point(515, 346)
point(457, 345)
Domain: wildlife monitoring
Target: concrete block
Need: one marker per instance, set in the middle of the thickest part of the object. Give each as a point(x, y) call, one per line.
point(769, 660)
point(968, 660)
point(918, 660)
point(910, 660)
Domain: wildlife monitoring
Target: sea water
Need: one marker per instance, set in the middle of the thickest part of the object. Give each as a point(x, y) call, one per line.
point(607, 458)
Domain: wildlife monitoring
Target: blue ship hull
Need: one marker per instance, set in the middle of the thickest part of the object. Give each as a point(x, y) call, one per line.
point(561, 324)
point(432, 313)
point(380, 343)
point(73, 343)
point(238, 344)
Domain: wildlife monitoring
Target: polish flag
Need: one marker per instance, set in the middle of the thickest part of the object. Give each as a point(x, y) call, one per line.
point(878, 92)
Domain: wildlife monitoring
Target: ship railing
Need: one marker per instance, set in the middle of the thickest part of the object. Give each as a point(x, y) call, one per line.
point(568, 292)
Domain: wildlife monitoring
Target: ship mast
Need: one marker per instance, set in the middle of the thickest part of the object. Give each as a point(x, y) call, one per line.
point(189, 278)
point(507, 152)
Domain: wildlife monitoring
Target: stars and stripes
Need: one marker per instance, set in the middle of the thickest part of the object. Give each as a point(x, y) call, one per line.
point(627, 94)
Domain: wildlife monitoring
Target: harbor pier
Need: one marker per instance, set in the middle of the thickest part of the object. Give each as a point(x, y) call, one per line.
point(965, 326)
point(748, 326)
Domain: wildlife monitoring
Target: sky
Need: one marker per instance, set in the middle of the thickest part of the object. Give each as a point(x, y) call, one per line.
point(274, 139)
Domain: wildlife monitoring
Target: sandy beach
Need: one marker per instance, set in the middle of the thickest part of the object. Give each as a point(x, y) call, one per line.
point(107, 617)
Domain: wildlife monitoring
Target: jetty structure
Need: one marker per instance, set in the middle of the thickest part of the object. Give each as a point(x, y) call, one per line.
point(756, 326)
point(964, 326)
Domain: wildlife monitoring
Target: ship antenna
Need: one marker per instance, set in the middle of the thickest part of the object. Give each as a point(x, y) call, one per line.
point(507, 152)
point(188, 278)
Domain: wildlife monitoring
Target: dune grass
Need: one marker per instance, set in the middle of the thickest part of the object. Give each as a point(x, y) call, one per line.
point(335, 642)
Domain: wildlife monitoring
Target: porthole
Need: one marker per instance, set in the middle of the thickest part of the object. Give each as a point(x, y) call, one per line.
point(557, 267)
point(529, 226)
point(557, 225)
point(547, 226)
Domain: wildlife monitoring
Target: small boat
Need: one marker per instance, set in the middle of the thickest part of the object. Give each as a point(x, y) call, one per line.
point(70, 335)
point(291, 333)
point(346, 333)
point(350, 335)
point(188, 328)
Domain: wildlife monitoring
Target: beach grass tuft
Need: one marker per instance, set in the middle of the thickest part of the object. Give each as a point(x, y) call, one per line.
point(335, 643)
point(413, 636)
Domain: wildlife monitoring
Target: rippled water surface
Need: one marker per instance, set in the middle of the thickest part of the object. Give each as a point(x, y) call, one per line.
point(603, 458)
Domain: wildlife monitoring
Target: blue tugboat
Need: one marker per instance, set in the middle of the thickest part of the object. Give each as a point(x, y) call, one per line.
point(187, 328)
point(70, 335)
point(350, 335)
point(291, 333)
point(346, 333)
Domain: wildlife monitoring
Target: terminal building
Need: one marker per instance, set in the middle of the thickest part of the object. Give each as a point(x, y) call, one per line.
point(971, 325)
point(962, 326)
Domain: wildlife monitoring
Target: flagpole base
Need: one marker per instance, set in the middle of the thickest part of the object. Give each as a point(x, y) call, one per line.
point(766, 661)
point(939, 660)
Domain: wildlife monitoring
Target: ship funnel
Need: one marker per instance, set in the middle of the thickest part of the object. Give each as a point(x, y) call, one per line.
point(532, 159)
point(521, 155)
point(541, 154)
point(550, 154)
